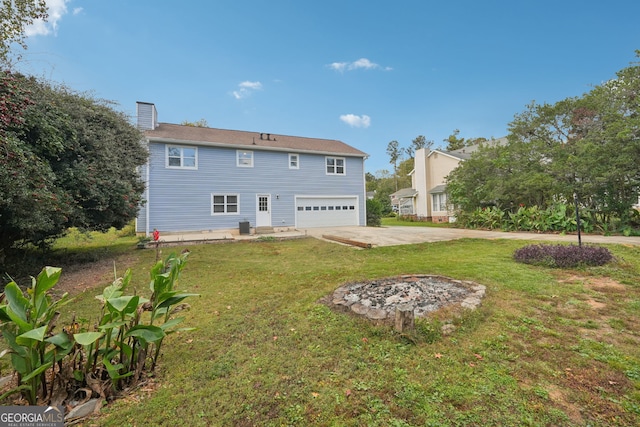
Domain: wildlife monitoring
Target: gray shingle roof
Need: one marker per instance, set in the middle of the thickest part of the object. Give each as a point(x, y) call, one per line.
point(166, 132)
point(404, 193)
point(438, 189)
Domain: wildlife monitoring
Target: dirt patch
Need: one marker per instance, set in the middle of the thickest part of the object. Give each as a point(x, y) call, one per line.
point(596, 305)
point(559, 398)
point(78, 278)
point(600, 284)
point(605, 285)
point(593, 388)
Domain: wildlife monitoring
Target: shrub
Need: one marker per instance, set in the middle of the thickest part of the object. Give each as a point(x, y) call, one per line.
point(563, 256)
point(374, 213)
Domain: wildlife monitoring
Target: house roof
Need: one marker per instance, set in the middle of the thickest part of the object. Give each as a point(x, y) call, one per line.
point(404, 193)
point(438, 189)
point(465, 153)
point(180, 134)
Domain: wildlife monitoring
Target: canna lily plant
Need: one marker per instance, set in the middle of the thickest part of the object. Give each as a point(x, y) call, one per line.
point(124, 344)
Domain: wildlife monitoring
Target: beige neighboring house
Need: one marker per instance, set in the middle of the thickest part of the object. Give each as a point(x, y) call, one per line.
point(428, 180)
point(403, 201)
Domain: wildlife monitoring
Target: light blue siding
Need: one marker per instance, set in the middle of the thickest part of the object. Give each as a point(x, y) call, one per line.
point(141, 219)
point(180, 200)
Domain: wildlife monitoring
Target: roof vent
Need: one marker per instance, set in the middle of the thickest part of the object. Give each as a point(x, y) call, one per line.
point(266, 136)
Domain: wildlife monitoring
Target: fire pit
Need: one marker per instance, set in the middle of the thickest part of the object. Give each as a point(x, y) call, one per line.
point(378, 299)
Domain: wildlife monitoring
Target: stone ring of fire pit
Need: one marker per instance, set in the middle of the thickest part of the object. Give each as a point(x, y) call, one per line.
point(377, 300)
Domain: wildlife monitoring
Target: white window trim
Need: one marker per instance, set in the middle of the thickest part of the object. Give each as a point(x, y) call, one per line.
point(344, 165)
point(241, 165)
point(442, 207)
point(225, 204)
point(297, 156)
point(181, 148)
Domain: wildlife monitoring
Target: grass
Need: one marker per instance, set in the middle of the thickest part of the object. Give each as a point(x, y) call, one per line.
point(546, 347)
point(394, 221)
point(71, 251)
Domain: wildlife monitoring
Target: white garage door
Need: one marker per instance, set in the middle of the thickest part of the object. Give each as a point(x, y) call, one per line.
point(326, 211)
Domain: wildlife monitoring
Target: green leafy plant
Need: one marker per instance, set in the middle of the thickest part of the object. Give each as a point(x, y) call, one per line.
point(27, 325)
point(123, 345)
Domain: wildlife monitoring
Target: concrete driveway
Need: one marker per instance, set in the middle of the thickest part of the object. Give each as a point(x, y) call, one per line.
point(390, 236)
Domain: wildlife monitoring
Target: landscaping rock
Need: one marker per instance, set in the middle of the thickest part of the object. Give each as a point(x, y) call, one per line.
point(86, 409)
point(378, 299)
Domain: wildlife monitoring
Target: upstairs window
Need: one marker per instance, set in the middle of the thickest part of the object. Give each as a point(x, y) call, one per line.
point(244, 158)
point(294, 161)
point(180, 157)
point(335, 165)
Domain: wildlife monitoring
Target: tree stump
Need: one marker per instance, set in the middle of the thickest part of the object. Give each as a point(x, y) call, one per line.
point(405, 319)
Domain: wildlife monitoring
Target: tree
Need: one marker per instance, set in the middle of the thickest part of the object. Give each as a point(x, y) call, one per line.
point(374, 213)
point(404, 169)
point(456, 143)
point(585, 146)
point(382, 183)
point(395, 153)
point(202, 123)
point(66, 160)
point(417, 143)
point(453, 142)
point(15, 16)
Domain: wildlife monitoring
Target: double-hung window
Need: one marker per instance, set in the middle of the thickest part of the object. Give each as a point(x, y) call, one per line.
point(222, 204)
point(181, 157)
point(439, 202)
point(335, 165)
point(294, 161)
point(244, 158)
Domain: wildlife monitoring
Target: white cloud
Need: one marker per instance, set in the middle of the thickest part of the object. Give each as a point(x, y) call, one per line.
point(77, 10)
point(338, 66)
point(56, 9)
point(246, 89)
point(362, 63)
point(352, 120)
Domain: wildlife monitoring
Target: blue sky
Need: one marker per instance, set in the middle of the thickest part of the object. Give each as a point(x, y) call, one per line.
point(365, 72)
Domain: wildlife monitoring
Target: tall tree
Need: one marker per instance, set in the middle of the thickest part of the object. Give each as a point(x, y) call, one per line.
point(453, 141)
point(587, 146)
point(66, 160)
point(15, 16)
point(417, 143)
point(395, 153)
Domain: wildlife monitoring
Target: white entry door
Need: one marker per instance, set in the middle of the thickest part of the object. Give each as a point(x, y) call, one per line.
point(263, 213)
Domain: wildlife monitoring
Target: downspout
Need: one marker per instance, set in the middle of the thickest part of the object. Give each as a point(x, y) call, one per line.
point(148, 195)
point(364, 184)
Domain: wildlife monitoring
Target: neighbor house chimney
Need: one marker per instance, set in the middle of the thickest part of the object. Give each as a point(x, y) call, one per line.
point(147, 115)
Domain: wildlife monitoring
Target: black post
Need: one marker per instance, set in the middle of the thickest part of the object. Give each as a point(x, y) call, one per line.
point(575, 200)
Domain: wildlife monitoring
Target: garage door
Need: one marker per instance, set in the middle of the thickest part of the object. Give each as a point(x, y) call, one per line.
point(326, 211)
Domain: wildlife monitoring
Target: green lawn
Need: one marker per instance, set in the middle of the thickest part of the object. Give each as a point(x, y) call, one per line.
point(545, 348)
point(394, 221)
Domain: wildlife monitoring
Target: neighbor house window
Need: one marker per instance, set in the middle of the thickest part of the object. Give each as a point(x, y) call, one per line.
point(244, 158)
point(335, 165)
point(439, 202)
point(182, 157)
point(225, 204)
point(294, 161)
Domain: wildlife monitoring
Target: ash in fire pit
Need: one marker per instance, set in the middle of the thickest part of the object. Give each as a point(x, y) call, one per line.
point(378, 299)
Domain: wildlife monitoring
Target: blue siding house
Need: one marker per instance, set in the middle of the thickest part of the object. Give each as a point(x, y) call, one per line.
point(204, 179)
